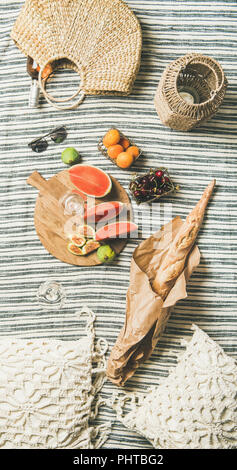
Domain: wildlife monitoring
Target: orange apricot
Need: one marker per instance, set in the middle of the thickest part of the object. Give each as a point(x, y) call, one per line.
point(114, 150)
point(124, 142)
point(112, 137)
point(124, 160)
point(133, 151)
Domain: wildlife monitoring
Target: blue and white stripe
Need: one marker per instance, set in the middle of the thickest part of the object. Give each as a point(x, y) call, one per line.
point(170, 29)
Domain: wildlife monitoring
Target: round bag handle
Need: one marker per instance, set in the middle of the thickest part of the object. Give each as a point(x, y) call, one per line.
point(194, 60)
point(51, 99)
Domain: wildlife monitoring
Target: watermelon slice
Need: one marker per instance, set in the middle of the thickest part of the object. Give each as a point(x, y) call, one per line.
point(116, 230)
point(105, 211)
point(90, 180)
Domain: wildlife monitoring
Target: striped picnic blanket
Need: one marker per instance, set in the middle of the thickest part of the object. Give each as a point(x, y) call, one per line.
point(170, 29)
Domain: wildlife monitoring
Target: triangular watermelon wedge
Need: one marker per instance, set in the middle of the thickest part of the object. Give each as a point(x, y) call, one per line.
point(105, 211)
point(116, 230)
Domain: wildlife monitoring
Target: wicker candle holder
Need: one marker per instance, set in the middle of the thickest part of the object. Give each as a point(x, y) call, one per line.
point(195, 76)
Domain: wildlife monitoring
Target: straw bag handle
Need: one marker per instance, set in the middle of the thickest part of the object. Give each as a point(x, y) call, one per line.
point(50, 99)
point(193, 59)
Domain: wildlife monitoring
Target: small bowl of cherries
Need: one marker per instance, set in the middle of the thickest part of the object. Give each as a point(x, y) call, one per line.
point(151, 186)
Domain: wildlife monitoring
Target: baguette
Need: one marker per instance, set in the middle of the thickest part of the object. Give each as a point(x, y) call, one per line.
point(174, 261)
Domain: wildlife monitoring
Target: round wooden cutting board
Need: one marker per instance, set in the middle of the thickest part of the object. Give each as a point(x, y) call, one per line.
point(50, 220)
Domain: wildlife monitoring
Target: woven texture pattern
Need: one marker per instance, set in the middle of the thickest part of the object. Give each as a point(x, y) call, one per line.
point(101, 39)
point(202, 73)
point(170, 30)
point(47, 390)
point(195, 407)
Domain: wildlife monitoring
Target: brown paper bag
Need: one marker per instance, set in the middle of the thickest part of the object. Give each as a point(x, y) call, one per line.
point(146, 313)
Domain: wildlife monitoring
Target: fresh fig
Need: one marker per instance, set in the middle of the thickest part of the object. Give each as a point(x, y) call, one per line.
point(91, 245)
point(78, 240)
point(70, 156)
point(86, 231)
point(106, 254)
point(74, 249)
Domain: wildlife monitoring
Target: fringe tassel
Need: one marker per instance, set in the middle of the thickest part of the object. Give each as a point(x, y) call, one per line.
point(98, 434)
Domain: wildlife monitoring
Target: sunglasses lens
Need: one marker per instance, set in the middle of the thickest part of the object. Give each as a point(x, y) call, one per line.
point(39, 146)
point(59, 135)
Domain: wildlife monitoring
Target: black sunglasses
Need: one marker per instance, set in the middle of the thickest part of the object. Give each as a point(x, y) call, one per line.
point(58, 135)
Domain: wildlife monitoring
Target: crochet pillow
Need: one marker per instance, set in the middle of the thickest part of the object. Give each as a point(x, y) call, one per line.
point(46, 392)
point(195, 407)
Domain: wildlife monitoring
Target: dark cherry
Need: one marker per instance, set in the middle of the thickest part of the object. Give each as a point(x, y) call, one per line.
point(159, 173)
point(152, 178)
point(152, 192)
point(167, 180)
point(139, 180)
point(143, 192)
point(137, 193)
point(145, 180)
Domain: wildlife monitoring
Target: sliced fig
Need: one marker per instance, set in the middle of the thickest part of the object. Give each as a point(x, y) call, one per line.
point(91, 245)
point(85, 231)
point(74, 249)
point(78, 240)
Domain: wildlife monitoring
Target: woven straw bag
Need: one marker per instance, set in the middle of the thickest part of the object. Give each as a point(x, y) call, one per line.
point(100, 39)
point(196, 72)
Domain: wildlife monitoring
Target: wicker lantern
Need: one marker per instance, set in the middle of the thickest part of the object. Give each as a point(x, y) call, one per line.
point(190, 91)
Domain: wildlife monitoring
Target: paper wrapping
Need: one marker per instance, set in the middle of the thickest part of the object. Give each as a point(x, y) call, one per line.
point(146, 313)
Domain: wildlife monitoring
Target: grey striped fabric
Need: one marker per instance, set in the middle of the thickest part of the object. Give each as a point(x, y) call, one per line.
point(170, 29)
